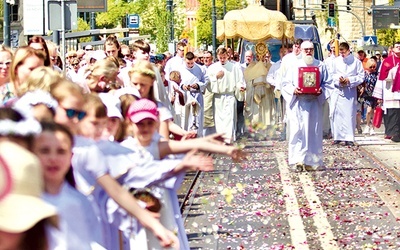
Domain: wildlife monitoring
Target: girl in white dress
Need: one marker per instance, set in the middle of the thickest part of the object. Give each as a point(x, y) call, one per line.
point(143, 115)
point(91, 168)
point(78, 222)
point(142, 77)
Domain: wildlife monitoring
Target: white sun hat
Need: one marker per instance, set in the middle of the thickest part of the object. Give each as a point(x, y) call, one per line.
point(22, 207)
point(112, 103)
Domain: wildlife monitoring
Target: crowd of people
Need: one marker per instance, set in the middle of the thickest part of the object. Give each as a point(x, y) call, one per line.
point(104, 147)
point(88, 154)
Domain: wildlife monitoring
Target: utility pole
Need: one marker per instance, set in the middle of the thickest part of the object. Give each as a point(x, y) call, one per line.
point(305, 9)
point(62, 50)
point(224, 9)
point(93, 23)
point(6, 24)
point(214, 28)
point(170, 9)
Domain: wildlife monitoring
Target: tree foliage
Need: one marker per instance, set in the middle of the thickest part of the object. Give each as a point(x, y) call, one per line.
point(82, 25)
point(153, 18)
point(387, 37)
point(204, 17)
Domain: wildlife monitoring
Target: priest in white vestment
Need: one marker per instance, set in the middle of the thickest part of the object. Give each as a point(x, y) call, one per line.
point(305, 113)
point(260, 98)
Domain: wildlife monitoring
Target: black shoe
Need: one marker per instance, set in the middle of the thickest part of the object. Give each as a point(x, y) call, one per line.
point(335, 142)
point(349, 143)
point(299, 167)
point(309, 168)
point(395, 138)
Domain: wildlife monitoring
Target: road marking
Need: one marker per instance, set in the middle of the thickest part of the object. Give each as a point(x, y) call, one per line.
point(297, 232)
point(390, 197)
point(325, 233)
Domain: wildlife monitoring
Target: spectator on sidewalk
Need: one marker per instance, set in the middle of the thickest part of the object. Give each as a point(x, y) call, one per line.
point(383, 92)
point(371, 76)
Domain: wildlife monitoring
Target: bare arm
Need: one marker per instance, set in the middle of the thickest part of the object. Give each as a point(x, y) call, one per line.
point(124, 199)
point(202, 144)
point(194, 162)
point(164, 129)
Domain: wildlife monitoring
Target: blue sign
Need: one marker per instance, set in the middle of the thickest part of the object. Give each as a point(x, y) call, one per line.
point(133, 21)
point(370, 40)
point(331, 22)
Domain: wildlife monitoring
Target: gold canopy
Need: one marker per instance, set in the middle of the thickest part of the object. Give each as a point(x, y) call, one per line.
point(255, 23)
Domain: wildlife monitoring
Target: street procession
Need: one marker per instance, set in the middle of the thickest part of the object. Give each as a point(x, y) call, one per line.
point(200, 124)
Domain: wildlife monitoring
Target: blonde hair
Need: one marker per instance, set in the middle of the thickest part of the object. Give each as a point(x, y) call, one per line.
point(4, 48)
point(371, 62)
point(65, 88)
point(174, 76)
point(105, 67)
point(144, 68)
point(20, 56)
point(41, 78)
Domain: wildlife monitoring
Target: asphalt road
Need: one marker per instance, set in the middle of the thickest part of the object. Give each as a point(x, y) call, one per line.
point(354, 203)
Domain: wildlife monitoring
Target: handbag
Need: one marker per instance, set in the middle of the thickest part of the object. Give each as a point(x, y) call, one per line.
point(378, 114)
point(153, 204)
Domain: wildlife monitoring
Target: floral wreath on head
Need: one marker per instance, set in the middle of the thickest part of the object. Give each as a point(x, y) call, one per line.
point(21, 128)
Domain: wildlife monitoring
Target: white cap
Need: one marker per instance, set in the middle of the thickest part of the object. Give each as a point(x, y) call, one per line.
point(89, 47)
point(98, 55)
point(113, 105)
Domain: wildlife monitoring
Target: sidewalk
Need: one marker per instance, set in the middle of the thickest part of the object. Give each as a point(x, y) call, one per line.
point(382, 150)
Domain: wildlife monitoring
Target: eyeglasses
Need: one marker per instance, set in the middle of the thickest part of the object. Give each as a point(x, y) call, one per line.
point(75, 64)
point(6, 63)
point(372, 67)
point(71, 113)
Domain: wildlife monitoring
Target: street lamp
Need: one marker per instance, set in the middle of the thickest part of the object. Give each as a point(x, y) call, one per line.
point(214, 28)
point(170, 8)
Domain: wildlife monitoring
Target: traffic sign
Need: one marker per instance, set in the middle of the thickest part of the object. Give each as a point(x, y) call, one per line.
point(331, 22)
point(133, 21)
point(383, 17)
point(370, 40)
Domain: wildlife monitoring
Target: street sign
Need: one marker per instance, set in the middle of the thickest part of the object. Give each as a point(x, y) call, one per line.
point(370, 40)
point(383, 17)
point(133, 21)
point(33, 16)
point(54, 13)
point(331, 22)
point(92, 5)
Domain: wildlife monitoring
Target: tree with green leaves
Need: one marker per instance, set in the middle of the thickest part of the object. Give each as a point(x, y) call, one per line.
point(204, 17)
point(153, 18)
point(387, 37)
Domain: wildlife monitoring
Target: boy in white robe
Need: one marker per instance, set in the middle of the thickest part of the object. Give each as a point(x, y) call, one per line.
point(348, 73)
point(193, 82)
point(226, 82)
